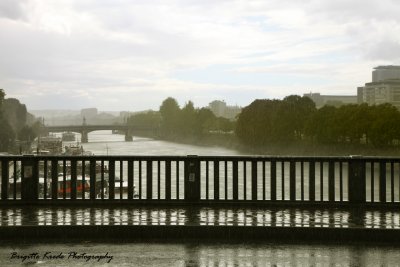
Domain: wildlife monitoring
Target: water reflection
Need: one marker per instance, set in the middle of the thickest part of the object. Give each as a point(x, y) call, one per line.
point(288, 217)
point(211, 255)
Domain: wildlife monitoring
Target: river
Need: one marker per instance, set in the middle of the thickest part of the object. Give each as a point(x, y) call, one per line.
point(105, 143)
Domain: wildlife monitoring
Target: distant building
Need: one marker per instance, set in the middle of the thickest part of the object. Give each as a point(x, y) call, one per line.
point(384, 88)
point(220, 109)
point(333, 100)
point(89, 112)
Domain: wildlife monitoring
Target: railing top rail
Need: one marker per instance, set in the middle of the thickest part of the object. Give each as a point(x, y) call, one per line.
point(200, 157)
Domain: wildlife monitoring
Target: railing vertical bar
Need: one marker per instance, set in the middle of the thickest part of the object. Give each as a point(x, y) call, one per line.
point(331, 181)
point(111, 179)
point(64, 179)
point(392, 180)
point(102, 178)
point(292, 178)
point(83, 179)
point(321, 179)
point(311, 174)
point(168, 179)
point(149, 176)
point(73, 179)
point(158, 179)
point(207, 179)
point(4, 179)
point(216, 180)
point(92, 173)
point(15, 180)
point(341, 180)
point(273, 180)
point(235, 184)
point(382, 181)
point(283, 179)
point(54, 179)
point(140, 179)
point(302, 180)
point(121, 179)
point(254, 187)
point(130, 179)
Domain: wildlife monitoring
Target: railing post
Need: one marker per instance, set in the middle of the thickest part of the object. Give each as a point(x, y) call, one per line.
point(254, 180)
point(382, 181)
point(356, 180)
point(292, 180)
point(311, 179)
point(273, 180)
point(216, 179)
point(92, 171)
point(149, 177)
point(130, 179)
point(331, 181)
point(54, 179)
point(4, 179)
point(73, 178)
point(111, 178)
point(192, 178)
point(235, 180)
point(29, 179)
point(167, 180)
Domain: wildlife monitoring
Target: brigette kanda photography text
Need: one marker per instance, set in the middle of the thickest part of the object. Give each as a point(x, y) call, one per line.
point(61, 256)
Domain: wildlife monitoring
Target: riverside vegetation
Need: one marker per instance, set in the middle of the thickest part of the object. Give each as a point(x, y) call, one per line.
point(289, 126)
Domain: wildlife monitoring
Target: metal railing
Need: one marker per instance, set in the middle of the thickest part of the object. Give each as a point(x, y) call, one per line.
point(208, 179)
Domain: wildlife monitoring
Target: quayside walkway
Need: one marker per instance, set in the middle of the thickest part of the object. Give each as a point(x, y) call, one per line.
point(195, 222)
point(141, 197)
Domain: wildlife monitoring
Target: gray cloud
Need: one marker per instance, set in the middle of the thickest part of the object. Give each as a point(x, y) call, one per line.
point(384, 50)
point(135, 47)
point(12, 9)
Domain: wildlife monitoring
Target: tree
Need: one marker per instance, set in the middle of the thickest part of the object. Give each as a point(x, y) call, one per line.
point(323, 126)
point(170, 113)
point(7, 134)
point(385, 125)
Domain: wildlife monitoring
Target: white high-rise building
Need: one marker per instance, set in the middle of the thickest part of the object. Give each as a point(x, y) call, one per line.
point(383, 73)
point(384, 88)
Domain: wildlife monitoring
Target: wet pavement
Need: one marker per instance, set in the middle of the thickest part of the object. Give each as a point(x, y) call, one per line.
point(195, 216)
point(198, 254)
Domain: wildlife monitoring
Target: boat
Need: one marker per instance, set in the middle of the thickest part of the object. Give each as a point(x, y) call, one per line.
point(51, 144)
point(68, 137)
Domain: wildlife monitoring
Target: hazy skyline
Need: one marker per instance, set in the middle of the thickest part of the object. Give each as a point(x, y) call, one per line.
point(130, 55)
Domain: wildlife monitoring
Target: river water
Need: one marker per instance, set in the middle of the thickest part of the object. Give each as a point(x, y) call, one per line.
point(105, 143)
point(189, 252)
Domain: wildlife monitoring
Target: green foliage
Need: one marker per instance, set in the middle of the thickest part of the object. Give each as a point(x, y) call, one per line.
point(274, 121)
point(150, 120)
point(7, 134)
point(15, 112)
point(295, 118)
point(170, 113)
point(189, 121)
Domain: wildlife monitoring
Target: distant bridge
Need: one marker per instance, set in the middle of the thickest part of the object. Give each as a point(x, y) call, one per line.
point(85, 129)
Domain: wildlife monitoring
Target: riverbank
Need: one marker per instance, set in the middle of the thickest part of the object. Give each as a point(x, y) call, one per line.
point(230, 141)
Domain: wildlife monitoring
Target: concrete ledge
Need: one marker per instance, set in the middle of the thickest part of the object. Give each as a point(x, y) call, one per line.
point(222, 233)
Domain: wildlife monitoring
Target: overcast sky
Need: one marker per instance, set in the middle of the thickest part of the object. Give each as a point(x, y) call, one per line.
point(130, 55)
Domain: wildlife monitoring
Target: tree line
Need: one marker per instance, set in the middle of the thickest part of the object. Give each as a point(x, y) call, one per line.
point(16, 124)
point(295, 119)
point(174, 122)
